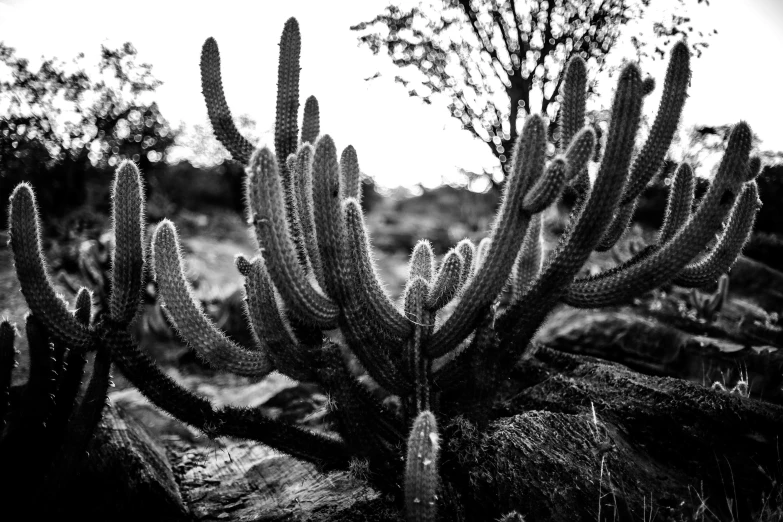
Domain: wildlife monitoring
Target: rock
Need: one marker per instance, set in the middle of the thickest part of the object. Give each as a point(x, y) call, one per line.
point(126, 476)
point(246, 481)
point(651, 346)
point(582, 439)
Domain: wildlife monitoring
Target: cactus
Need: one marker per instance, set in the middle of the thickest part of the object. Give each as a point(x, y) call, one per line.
point(312, 294)
point(709, 305)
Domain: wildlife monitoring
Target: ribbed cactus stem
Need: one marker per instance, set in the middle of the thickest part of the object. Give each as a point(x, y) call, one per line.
point(311, 121)
point(127, 259)
point(418, 366)
point(727, 250)
point(351, 183)
point(572, 113)
point(269, 323)
point(422, 263)
point(754, 168)
point(38, 291)
point(529, 259)
point(579, 152)
point(618, 226)
point(287, 109)
point(679, 203)
point(650, 158)
point(289, 278)
point(304, 173)
point(217, 108)
point(329, 224)
point(380, 309)
point(447, 281)
point(548, 188)
point(421, 470)
point(188, 318)
point(506, 237)
point(370, 319)
point(467, 250)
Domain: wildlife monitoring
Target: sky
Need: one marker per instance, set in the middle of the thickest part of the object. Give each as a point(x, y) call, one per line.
point(399, 140)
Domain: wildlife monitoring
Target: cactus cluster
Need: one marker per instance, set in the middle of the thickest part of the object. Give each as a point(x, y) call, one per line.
point(314, 300)
point(47, 429)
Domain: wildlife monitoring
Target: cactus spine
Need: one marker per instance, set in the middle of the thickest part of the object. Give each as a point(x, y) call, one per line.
point(315, 273)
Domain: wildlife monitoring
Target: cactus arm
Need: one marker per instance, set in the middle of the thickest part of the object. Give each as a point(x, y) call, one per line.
point(529, 258)
point(183, 309)
point(572, 113)
point(447, 281)
point(379, 308)
point(311, 121)
point(467, 250)
point(547, 189)
point(272, 230)
point(421, 470)
point(754, 168)
point(229, 421)
point(7, 363)
point(25, 241)
point(506, 238)
point(618, 226)
point(422, 263)
point(675, 87)
point(270, 326)
point(663, 264)
point(294, 211)
point(304, 171)
point(287, 108)
point(579, 153)
point(329, 223)
point(519, 322)
point(729, 246)
point(128, 256)
point(417, 365)
point(351, 176)
point(217, 108)
point(369, 316)
point(481, 253)
point(679, 203)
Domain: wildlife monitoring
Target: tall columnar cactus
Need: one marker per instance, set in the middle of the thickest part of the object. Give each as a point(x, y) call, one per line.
point(312, 294)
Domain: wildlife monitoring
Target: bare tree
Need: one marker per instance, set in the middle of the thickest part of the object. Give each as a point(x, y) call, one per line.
point(497, 61)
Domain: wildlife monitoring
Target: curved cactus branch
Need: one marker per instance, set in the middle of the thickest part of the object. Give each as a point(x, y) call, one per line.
point(217, 108)
point(25, 240)
point(127, 259)
point(183, 309)
point(727, 250)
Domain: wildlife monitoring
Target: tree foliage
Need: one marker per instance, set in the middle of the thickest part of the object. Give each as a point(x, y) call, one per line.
point(57, 123)
point(497, 61)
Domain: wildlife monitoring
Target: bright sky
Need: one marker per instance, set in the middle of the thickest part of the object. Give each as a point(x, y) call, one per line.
point(400, 141)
